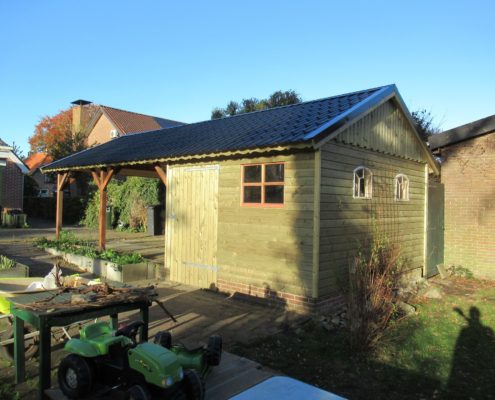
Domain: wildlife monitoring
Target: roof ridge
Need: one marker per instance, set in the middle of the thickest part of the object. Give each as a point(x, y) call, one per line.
point(462, 126)
point(302, 102)
point(136, 113)
point(265, 110)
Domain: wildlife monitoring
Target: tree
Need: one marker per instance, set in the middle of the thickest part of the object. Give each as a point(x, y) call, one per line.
point(276, 99)
point(425, 124)
point(54, 135)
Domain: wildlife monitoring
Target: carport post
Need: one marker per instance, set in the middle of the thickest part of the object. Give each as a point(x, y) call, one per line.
point(102, 183)
point(61, 182)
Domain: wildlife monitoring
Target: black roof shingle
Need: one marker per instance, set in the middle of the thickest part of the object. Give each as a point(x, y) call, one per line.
point(279, 126)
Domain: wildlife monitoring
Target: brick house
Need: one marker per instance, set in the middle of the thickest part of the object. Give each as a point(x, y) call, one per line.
point(12, 171)
point(106, 123)
point(467, 154)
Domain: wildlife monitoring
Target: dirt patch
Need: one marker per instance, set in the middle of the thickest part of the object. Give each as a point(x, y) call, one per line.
point(457, 286)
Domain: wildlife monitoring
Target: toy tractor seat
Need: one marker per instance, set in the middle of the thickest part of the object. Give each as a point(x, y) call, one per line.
point(101, 336)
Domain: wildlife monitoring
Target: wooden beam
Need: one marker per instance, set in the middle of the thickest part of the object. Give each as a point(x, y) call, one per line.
point(161, 173)
point(62, 180)
point(102, 180)
point(108, 176)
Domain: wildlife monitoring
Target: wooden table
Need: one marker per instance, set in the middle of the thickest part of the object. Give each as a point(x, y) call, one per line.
point(44, 320)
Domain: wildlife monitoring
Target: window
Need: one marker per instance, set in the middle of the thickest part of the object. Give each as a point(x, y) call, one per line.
point(401, 187)
point(263, 185)
point(363, 180)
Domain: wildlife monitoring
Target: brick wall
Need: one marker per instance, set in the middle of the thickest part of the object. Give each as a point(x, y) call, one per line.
point(302, 304)
point(468, 173)
point(12, 186)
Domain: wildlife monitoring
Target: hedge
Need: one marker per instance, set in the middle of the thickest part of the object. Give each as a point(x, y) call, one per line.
point(46, 208)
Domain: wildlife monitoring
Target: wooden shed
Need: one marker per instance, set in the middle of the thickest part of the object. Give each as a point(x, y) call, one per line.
point(274, 203)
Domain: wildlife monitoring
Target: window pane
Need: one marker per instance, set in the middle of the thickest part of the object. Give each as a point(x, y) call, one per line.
point(252, 194)
point(252, 173)
point(274, 194)
point(274, 173)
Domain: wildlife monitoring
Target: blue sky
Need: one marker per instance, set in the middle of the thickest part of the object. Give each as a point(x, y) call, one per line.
point(181, 59)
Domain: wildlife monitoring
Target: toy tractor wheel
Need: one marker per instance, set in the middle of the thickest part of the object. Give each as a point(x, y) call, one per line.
point(164, 339)
point(193, 386)
point(214, 350)
point(30, 345)
point(138, 392)
point(75, 376)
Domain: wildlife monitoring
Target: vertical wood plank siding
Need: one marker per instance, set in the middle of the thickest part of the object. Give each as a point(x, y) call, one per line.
point(346, 222)
point(386, 130)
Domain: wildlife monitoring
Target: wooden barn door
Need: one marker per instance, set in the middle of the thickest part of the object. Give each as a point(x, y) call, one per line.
point(435, 228)
point(191, 225)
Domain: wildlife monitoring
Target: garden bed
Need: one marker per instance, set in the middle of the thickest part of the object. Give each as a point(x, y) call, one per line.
point(108, 264)
point(11, 269)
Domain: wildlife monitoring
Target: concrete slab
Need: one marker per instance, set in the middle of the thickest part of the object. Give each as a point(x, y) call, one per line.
point(234, 375)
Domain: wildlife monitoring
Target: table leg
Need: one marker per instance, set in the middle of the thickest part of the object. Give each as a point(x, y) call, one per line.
point(145, 319)
point(44, 359)
point(19, 358)
point(114, 321)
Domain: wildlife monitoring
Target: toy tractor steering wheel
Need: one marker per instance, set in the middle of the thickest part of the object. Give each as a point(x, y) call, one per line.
point(130, 331)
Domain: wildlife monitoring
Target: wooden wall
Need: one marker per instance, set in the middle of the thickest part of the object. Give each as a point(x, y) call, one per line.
point(268, 246)
point(347, 222)
point(386, 130)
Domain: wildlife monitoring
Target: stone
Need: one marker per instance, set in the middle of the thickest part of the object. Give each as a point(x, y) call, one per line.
point(335, 320)
point(406, 308)
point(442, 271)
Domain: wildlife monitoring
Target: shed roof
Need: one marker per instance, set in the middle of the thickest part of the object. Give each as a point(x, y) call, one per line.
point(463, 132)
point(281, 126)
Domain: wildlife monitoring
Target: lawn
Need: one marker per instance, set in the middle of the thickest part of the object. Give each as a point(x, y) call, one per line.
point(436, 353)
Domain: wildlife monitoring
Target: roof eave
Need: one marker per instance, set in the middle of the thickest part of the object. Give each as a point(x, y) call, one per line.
point(196, 157)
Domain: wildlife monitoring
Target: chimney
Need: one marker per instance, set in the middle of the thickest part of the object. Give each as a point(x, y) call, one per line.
point(78, 117)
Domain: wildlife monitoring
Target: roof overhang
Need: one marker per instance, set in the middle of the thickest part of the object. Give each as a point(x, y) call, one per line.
point(297, 147)
point(6, 152)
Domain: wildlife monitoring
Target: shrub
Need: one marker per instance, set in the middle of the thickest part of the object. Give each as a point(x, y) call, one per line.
point(129, 200)
point(374, 279)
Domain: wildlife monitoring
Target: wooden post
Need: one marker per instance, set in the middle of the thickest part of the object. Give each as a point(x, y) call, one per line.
point(161, 173)
point(102, 183)
point(61, 182)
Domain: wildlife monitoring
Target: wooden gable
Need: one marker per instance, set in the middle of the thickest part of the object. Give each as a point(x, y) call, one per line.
point(387, 130)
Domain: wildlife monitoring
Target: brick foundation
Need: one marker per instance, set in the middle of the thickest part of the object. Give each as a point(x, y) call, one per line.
point(302, 304)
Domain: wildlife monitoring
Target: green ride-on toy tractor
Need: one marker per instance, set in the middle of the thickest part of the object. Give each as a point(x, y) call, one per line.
point(104, 360)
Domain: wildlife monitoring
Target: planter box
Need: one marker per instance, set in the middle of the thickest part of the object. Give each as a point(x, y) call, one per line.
point(13, 220)
point(108, 270)
point(19, 271)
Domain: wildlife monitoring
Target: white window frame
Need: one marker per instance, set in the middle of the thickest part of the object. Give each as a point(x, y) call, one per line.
point(405, 178)
point(368, 188)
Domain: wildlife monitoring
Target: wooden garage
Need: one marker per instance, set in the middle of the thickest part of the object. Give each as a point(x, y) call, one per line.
point(275, 203)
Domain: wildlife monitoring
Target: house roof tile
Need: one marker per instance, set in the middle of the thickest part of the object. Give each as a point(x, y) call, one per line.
point(130, 122)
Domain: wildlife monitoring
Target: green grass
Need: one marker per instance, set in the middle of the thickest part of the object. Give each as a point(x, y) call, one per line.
point(434, 354)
